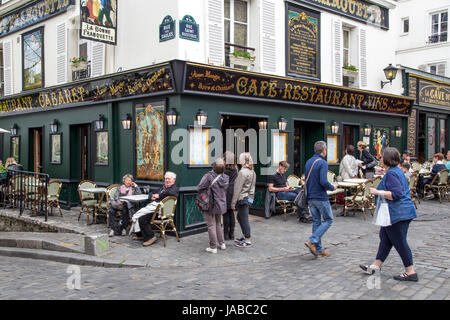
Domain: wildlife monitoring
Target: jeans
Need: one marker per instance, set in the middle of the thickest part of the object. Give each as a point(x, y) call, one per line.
point(320, 209)
point(242, 218)
point(290, 195)
point(228, 224)
point(395, 235)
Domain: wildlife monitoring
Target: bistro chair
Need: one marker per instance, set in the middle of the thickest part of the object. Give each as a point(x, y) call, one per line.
point(87, 199)
point(440, 186)
point(331, 176)
point(413, 179)
point(104, 203)
point(53, 192)
point(163, 217)
point(293, 181)
point(416, 166)
point(33, 193)
point(360, 200)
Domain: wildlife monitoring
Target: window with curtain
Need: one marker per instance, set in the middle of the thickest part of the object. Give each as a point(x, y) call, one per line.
point(235, 25)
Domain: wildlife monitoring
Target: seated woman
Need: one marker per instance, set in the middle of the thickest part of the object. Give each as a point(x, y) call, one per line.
point(128, 188)
point(12, 164)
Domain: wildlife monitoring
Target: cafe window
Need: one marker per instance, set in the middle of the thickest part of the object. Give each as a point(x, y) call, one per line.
point(236, 13)
point(439, 27)
point(405, 25)
point(437, 68)
point(346, 46)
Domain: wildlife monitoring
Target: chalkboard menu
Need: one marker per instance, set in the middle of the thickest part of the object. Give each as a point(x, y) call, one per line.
point(303, 43)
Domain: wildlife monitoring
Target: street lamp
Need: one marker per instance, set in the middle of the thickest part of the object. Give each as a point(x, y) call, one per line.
point(54, 126)
point(398, 132)
point(390, 72)
point(262, 124)
point(99, 124)
point(367, 129)
point(171, 117)
point(282, 123)
point(126, 122)
point(14, 129)
point(334, 127)
point(201, 116)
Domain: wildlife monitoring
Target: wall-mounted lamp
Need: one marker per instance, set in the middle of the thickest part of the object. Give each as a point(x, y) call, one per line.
point(54, 126)
point(14, 129)
point(126, 122)
point(334, 127)
point(367, 129)
point(262, 124)
point(282, 123)
point(201, 117)
point(171, 116)
point(100, 123)
point(390, 72)
point(398, 132)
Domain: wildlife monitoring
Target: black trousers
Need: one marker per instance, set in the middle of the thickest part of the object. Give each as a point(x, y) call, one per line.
point(228, 224)
point(242, 217)
point(395, 236)
point(124, 219)
point(146, 228)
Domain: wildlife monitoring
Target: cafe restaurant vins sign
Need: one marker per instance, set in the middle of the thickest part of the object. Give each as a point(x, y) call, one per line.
point(360, 10)
point(428, 92)
point(214, 80)
point(143, 82)
point(32, 14)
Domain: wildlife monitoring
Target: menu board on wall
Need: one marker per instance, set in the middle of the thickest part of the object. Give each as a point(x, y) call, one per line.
point(303, 40)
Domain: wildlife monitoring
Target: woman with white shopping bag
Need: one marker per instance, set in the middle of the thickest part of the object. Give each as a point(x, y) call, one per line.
point(394, 212)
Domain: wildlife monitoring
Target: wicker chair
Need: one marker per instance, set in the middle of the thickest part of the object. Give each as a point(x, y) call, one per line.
point(103, 206)
point(293, 181)
point(53, 191)
point(163, 217)
point(442, 184)
point(413, 179)
point(416, 166)
point(360, 200)
point(333, 194)
point(87, 199)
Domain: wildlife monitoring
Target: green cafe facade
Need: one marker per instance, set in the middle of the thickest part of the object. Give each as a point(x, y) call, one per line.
point(166, 118)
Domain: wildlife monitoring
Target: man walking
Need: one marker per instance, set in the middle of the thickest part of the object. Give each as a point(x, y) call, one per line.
point(319, 205)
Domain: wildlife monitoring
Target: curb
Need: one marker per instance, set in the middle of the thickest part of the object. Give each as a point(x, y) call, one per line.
point(68, 258)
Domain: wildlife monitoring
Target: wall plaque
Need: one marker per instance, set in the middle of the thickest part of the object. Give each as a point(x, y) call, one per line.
point(167, 29)
point(189, 29)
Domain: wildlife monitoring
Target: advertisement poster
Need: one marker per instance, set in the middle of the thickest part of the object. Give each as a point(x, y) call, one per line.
point(33, 64)
point(99, 20)
point(380, 140)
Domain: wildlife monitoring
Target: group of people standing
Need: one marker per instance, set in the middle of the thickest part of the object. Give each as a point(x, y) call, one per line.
point(350, 166)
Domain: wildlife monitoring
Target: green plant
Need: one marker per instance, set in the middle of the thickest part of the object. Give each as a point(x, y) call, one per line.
point(350, 67)
point(3, 168)
point(78, 59)
point(243, 54)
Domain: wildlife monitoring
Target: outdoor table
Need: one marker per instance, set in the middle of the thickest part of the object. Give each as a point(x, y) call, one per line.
point(135, 198)
point(95, 191)
point(356, 180)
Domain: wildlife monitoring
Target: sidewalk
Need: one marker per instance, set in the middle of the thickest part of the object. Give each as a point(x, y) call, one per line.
point(273, 239)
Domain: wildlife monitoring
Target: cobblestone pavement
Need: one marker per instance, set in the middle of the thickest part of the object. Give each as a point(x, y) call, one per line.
point(278, 266)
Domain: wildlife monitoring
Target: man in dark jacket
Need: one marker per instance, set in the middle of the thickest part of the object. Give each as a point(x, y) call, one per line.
point(141, 219)
point(317, 197)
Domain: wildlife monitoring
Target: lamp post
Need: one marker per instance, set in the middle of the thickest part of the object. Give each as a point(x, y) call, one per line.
point(171, 117)
point(126, 122)
point(54, 126)
point(282, 123)
point(334, 127)
point(390, 72)
point(99, 124)
point(201, 117)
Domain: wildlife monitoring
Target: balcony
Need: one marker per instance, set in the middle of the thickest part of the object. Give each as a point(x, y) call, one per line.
point(243, 57)
point(81, 70)
point(436, 38)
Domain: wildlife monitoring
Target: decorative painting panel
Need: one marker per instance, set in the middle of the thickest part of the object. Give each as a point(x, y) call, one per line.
point(381, 140)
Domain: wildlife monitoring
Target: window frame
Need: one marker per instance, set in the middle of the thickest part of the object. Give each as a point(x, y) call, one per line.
point(403, 26)
point(439, 33)
point(436, 65)
point(232, 21)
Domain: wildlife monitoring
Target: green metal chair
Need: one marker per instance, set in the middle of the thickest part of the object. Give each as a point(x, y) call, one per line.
point(163, 217)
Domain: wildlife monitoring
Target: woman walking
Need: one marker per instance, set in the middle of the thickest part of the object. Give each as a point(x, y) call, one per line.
point(217, 181)
point(394, 187)
point(243, 195)
point(232, 172)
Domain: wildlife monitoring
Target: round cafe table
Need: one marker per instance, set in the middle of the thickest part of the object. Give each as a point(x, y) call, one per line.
point(356, 180)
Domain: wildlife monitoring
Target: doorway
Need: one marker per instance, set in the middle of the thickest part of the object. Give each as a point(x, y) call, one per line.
point(36, 150)
point(306, 134)
point(350, 136)
point(81, 165)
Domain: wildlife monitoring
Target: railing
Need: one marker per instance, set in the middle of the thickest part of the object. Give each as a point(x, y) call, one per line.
point(435, 38)
point(237, 46)
point(26, 190)
point(83, 73)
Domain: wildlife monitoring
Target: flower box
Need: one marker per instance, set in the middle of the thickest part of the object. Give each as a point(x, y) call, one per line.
point(242, 61)
point(349, 73)
point(82, 65)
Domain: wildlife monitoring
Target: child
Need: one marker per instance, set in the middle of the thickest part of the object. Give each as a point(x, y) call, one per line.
point(406, 168)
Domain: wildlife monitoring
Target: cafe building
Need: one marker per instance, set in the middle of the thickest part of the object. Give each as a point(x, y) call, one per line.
point(180, 110)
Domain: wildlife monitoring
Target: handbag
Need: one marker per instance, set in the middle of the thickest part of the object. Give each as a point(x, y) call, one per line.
point(300, 200)
point(205, 199)
point(382, 217)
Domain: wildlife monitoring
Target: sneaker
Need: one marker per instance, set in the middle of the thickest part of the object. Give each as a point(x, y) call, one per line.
point(243, 244)
point(111, 233)
point(124, 232)
point(211, 250)
point(149, 242)
point(223, 246)
point(239, 240)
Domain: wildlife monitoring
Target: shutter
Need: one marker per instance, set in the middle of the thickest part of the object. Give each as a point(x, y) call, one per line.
point(61, 53)
point(337, 51)
point(215, 33)
point(362, 58)
point(7, 65)
point(441, 69)
point(97, 59)
point(268, 45)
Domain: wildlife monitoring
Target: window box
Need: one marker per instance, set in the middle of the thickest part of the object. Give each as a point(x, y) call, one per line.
point(349, 73)
point(240, 61)
point(82, 65)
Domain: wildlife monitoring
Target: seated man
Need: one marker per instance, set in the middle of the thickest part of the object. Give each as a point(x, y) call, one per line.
point(438, 165)
point(278, 184)
point(141, 219)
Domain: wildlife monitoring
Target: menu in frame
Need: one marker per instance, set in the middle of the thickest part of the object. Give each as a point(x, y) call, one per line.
point(332, 145)
point(303, 42)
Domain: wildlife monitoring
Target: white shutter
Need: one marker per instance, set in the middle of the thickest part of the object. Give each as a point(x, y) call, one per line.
point(268, 45)
point(337, 51)
point(215, 33)
point(441, 69)
point(97, 59)
point(7, 65)
point(61, 53)
point(362, 58)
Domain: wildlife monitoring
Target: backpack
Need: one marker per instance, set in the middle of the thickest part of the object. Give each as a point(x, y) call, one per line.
point(205, 198)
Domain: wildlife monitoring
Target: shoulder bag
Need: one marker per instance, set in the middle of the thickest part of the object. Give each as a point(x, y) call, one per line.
point(300, 199)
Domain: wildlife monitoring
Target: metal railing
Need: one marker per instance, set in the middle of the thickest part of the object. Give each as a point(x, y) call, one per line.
point(82, 74)
point(26, 190)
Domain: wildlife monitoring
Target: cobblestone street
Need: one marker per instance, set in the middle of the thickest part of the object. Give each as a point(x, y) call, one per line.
point(278, 266)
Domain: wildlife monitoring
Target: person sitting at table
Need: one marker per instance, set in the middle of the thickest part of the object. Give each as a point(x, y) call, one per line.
point(448, 160)
point(348, 169)
point(406, 168)
point(278, 184)
point(128, 188)
point(406, 157)
point(438, 165)
point(12, 164)
point(141, 219)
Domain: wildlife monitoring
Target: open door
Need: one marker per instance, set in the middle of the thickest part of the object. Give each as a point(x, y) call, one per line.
point(81, 166)
point(36, 146)
point(306, 134)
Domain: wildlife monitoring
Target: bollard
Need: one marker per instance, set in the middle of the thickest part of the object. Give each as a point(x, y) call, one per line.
point(96, 245)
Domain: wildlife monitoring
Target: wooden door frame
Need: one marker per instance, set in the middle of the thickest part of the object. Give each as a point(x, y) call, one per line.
point(32, 162)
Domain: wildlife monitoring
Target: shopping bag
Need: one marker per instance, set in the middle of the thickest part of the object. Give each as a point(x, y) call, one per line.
point(381, 216)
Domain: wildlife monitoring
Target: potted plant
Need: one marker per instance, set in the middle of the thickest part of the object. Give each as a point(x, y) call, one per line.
point(350, 70)
point(3, 172)
point(79, 63)
point(242, 58)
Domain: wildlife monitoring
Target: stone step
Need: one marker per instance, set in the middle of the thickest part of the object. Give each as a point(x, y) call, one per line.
point(29, 242)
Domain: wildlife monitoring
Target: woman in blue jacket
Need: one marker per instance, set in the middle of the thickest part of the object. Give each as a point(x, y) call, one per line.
point(395, 189)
